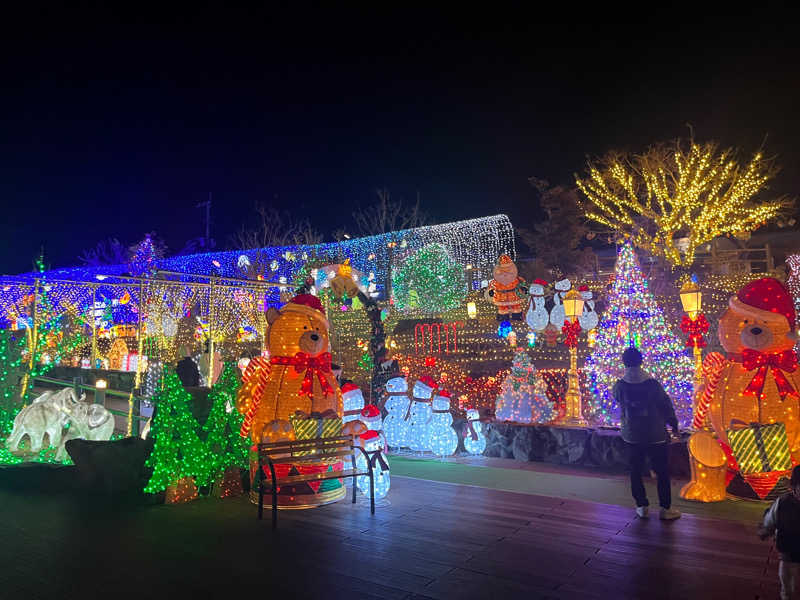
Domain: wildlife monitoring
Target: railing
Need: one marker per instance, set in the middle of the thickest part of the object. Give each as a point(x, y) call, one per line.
point(133, 415)
point(737, 260)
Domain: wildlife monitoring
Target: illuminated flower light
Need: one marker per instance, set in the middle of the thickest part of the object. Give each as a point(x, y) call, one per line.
point(504, 329)
point(634, 318)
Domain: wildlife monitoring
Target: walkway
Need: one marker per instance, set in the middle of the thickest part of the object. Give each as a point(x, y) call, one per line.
point(435, 540)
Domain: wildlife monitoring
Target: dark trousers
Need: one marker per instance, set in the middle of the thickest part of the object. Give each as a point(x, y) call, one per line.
point(658, 460)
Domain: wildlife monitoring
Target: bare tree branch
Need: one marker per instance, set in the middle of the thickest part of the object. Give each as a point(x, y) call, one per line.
point(388, 215)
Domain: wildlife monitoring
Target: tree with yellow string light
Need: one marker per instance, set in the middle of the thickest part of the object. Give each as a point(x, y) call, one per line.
point(675, 197)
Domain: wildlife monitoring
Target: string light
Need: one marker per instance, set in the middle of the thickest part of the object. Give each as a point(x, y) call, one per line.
point(178, 452)
point(442, 436)
point(693, 195)
point(436, 278)
point(632, 314)
point(226, 447)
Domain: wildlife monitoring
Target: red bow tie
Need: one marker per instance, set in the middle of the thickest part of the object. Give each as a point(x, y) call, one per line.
point(778, 362)
point(312, 365)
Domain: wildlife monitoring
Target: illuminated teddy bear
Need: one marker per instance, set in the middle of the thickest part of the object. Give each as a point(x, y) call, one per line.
point(298, 375)
point(750, 398)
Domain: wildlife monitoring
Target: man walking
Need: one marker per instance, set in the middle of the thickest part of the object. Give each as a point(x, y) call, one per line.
point(645, 410)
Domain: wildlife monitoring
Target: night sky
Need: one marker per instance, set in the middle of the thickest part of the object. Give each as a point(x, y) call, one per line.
point(116, 130)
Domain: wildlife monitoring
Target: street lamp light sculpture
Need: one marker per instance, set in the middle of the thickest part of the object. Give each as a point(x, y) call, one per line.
point(573, 308)
point(695, 325)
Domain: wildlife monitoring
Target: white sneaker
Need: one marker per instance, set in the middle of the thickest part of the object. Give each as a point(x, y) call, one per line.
point(669, 514)
point(642, 512)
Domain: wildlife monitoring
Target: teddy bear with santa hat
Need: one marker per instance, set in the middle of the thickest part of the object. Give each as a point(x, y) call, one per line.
point(750, 398)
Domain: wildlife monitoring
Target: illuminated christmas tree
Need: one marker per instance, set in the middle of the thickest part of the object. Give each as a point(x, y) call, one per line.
point(429, 280)
point(178, 451)
point(227, 447)
point(634, 319)
point(144, 256)
point(523, 394)
point(11, 373)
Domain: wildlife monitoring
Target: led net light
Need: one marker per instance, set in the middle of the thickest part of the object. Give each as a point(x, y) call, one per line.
point(475, 242)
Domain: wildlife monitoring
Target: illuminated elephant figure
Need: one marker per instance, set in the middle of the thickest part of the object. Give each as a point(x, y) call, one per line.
point(47, 414)
point(87, 422)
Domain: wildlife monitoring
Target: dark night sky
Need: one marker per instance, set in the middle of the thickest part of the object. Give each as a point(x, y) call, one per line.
point(116, 130)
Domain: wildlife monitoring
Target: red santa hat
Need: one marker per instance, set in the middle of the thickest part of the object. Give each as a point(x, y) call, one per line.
point(370, 411)
point(765, 294)
point(583, 288)
point(541, 282)
point(368, 435)
point(349, 388)
point(309, 305)
point(429, 381)
point(443, 393)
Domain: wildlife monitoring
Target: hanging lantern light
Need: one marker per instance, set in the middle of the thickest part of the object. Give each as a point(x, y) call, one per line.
point(691, 298)
point(472, 310)
point(573, 305)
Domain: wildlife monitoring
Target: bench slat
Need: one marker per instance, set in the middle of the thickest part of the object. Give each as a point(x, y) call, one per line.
point(292, 479)
point(310, 457)
point(312, 442)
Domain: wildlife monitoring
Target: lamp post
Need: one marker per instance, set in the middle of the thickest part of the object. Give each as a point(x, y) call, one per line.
point(573, 308)
point(694, 324)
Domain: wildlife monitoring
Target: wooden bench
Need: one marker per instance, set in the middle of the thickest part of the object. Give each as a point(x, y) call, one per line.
point(317, 449)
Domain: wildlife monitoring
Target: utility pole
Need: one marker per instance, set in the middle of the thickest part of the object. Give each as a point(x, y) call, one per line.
point(207, 205)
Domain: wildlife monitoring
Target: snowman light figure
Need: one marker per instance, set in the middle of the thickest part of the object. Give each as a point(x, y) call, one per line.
point(352, 402)
point(557, 314)
point(371, 417)
point(419, 415)
point(372, 444)
point(474, 440)
point(443, 438)
point(537, 317)
point(589, 319)
point(397, 404)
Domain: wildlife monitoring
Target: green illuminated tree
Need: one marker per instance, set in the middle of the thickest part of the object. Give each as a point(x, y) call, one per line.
point(11, 373)
point(178, 451)
point(429, 281)
point(227, 447)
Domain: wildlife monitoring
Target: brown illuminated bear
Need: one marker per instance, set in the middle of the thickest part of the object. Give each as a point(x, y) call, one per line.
point(750, 398)
point(298, 375)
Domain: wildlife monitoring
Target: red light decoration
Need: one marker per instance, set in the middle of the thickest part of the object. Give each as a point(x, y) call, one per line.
point(696, 328)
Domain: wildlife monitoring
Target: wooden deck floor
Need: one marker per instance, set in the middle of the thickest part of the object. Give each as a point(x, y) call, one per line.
point(435, 540)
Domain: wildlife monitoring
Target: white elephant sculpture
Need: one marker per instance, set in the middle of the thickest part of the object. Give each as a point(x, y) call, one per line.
point(88, 422)
point(47, 414)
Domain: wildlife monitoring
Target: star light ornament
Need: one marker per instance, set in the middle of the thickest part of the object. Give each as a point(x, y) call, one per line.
point(634, 319)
